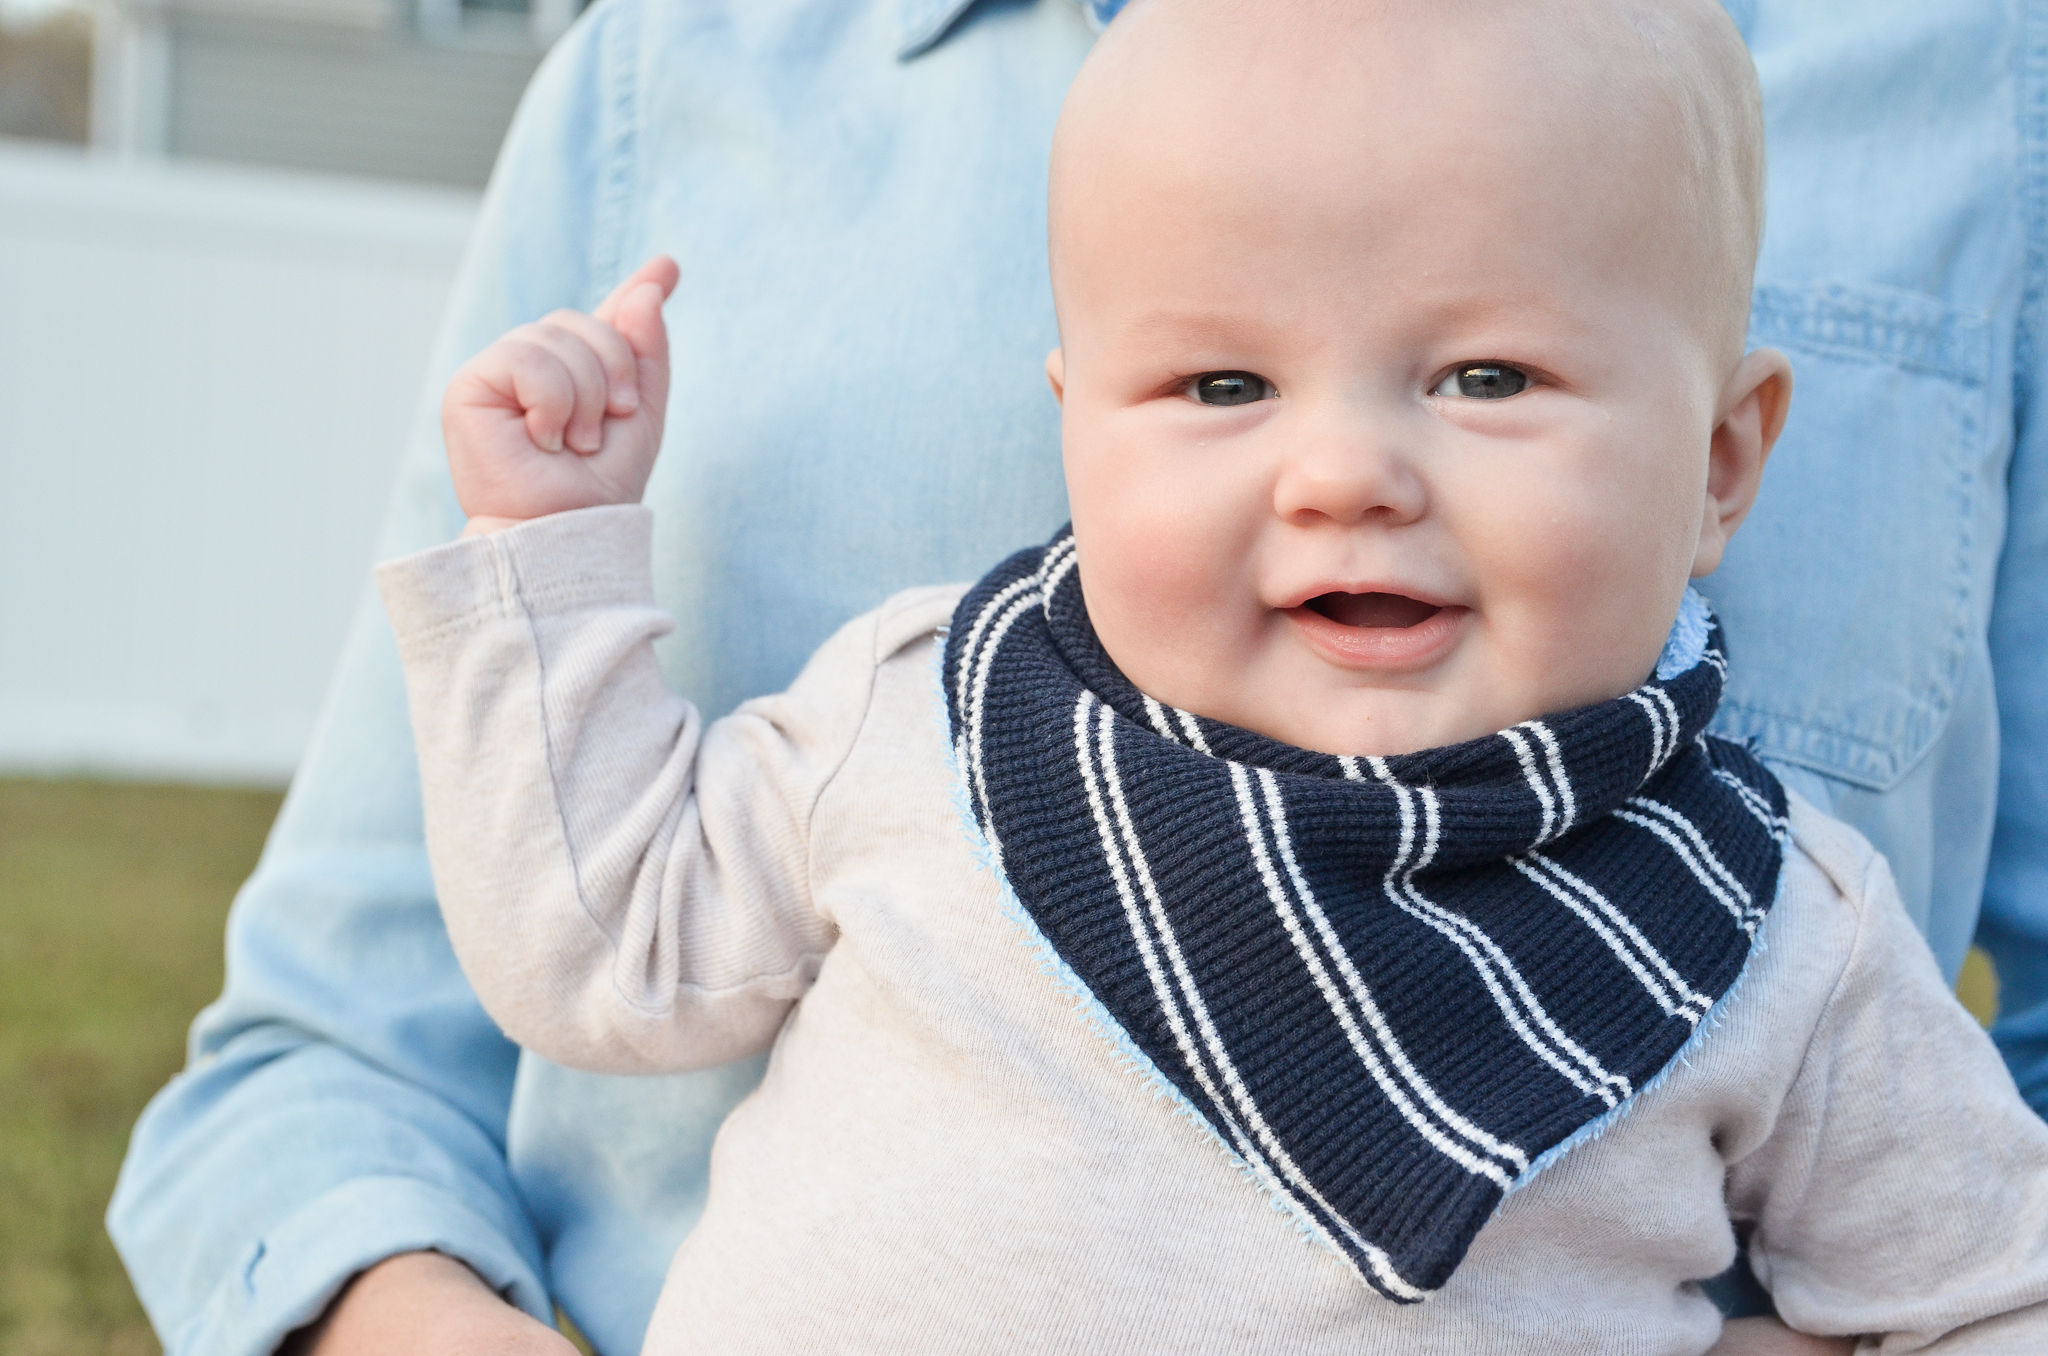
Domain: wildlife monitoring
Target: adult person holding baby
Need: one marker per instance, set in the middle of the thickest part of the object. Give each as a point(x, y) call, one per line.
point(349, 1104)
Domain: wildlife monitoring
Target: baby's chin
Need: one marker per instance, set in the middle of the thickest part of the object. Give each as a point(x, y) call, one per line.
point(1332, 712)
point(1342, 713)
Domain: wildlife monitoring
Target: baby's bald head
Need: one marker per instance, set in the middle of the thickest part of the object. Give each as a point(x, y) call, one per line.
point(1648, 109)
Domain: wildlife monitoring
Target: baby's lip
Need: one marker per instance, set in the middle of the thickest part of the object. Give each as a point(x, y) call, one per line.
point(1378, 629)
point(1366, 603)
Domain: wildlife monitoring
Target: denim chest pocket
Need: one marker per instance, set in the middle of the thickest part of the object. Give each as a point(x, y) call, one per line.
point(1849, 594)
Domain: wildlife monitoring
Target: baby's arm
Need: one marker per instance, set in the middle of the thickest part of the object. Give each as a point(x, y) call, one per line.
point(1902, 1193)
point(625, 890)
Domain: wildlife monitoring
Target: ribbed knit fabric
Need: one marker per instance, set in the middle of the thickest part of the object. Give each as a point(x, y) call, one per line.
point(1389, 984)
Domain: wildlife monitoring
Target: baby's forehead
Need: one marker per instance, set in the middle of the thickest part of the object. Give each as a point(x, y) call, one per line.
point(1661, 92)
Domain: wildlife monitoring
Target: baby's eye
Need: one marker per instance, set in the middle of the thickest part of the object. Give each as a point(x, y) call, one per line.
point(1483, 381)
point(1230, 388)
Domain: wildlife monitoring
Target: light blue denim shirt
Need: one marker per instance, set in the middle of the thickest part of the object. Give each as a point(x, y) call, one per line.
point(855, 191)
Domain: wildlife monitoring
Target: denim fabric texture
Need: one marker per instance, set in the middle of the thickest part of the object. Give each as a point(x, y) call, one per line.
point(855, 191)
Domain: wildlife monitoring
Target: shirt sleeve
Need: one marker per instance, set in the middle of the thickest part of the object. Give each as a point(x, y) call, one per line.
point(2014, 924)
point(1902, 1194)
point(628, 892)
point(345, 1099)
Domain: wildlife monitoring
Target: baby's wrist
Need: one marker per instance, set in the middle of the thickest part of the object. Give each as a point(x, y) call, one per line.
point(483, 524)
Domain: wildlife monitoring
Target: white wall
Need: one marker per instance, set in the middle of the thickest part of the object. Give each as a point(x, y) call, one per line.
point(206, 376)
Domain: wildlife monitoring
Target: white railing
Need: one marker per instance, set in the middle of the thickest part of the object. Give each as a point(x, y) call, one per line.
point(206, 376)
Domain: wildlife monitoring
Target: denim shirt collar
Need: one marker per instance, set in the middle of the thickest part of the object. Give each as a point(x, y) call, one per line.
point(923, 24)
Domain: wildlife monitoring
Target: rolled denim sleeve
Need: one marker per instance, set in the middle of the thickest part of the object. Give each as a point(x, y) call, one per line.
point(346, 1098)
point(2014, 927)
point(2014, 924)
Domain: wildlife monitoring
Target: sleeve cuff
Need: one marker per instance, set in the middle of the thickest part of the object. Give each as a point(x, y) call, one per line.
point(288, 1277)
point(548, 565)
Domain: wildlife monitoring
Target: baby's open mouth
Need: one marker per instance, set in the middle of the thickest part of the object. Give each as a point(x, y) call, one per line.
point(1372, 609)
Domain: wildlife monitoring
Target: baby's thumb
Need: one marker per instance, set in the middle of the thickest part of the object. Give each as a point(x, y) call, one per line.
point(660, 270)
point(638, 319)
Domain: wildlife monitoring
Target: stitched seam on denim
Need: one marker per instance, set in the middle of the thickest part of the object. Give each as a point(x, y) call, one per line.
point(1871, 355)
point(1870, 763)
point(1877, 329)
point(1969, 416)
point(2032, 134)
point(618, 172)
point(1868, 325)
point(1807, 726)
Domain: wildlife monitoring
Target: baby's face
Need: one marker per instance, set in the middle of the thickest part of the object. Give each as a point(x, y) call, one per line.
point(1389, 417)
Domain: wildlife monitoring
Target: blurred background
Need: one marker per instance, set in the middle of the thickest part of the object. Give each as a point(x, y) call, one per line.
point(226, 230)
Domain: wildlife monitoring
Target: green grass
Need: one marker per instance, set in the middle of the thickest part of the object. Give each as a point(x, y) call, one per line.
point(112, 903)
point(1978, 987)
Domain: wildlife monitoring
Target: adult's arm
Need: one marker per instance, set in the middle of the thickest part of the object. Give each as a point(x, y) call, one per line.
point(2014, 927)
point(428, 1303)
point(345, 1100)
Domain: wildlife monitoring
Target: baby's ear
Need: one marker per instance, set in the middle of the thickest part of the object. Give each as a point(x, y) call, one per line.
point(1754, 404)
point(1056, 373)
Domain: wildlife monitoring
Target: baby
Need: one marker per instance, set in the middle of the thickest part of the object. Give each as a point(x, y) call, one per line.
point(1305, 888)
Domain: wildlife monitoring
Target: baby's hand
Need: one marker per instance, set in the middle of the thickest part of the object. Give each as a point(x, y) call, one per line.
point(564, 413)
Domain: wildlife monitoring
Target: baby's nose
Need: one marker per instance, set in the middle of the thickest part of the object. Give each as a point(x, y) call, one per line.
point(1349, 475)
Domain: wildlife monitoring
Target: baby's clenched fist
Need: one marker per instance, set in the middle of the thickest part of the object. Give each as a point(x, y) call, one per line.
point(564, 413)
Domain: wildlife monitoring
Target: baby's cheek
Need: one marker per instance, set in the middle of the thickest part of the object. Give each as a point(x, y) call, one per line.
point(1158, 594)
point(1581, 580)
point(1149, 529)
point(1538, 538)
point(1584, 518)
point(1142, 570)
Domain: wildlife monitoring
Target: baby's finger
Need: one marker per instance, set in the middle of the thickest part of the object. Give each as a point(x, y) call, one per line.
point(639, 320)
point(585, 429)
point(661, 270)
point(614, 352)
point(543, 387)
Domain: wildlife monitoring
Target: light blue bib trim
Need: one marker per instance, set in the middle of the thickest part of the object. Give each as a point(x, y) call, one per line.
point(1100, 12)
point(1688, 639)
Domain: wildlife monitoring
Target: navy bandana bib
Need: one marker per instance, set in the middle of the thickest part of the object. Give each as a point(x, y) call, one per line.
point(1388, 984)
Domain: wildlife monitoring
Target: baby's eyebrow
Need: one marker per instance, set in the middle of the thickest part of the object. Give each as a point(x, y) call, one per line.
point(1197, 325)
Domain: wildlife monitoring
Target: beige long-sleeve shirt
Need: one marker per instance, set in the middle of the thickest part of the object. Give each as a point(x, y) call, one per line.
point(944, 1156)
